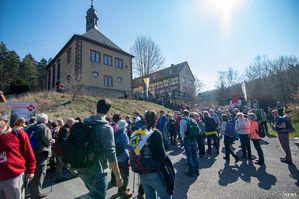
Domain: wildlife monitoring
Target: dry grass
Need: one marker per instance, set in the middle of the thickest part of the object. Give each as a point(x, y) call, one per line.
point(59, 105)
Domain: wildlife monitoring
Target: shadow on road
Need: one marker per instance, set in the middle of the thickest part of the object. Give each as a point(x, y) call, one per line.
point(246, 171)
point(182, 182)
point(266, 180)
point(294, 173)
point(227, 175)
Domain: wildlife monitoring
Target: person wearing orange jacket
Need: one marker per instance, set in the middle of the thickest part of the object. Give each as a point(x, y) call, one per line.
point(255, 138)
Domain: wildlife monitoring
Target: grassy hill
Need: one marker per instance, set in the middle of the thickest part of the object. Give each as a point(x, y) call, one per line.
point(60, 105)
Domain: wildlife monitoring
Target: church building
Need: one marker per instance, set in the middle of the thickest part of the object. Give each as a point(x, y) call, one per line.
point(93, 62)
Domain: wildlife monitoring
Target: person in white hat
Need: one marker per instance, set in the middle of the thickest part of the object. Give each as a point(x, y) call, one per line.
point(122, 152)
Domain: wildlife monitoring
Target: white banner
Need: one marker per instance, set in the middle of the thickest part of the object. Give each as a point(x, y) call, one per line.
point(243, 86)
point(146, 82)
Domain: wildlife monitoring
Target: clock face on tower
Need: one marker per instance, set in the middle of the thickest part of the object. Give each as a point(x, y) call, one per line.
point(95, 74)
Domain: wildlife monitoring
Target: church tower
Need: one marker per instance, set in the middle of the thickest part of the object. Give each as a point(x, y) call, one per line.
point(91, 18)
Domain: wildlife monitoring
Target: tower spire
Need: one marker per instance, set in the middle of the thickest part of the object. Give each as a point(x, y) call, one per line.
point(91, 18)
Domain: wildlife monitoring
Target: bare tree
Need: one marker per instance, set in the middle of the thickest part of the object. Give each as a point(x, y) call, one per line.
point(74, 83)
point(227, 78)
point(148, 56)
point(198, 85)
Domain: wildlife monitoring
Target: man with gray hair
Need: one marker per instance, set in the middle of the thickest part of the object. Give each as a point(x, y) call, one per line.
point(43, 137)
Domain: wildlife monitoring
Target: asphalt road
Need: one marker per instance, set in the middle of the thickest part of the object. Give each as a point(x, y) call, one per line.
point(217, 179)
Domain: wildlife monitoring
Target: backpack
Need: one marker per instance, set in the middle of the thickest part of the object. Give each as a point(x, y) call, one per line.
point(193, 130)
point(230, 129)
point(168, 175)
point(79, 150)
point(261, 132)
point(289, 126)
point(33, 137)
point(140, 153)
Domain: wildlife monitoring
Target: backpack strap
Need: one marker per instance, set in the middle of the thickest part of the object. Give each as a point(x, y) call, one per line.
point(17, 133)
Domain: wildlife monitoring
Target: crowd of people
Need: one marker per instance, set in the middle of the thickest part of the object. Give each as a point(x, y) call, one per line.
point(24, 161)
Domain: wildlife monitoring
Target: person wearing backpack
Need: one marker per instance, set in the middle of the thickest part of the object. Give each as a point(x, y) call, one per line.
point(95, 176)
point(280, 125)
point(227, 129)
point(153, 157)
point(255, 137)
point(14, 148)
point(190, 143)
point(122, 146)
point(42, 152)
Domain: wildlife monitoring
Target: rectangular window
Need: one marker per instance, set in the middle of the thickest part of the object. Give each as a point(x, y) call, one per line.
point(95, 56)
point(53, 77)
point(49, 79)
point(107, 60)
point(68, 55)
point(108, 81)
point(184, 80)
point(58, 70)
point(119, 63)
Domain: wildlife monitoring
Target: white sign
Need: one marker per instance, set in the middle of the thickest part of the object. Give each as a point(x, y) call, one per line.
point(22, 109)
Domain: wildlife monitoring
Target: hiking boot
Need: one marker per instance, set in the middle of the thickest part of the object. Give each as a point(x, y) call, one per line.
point(140, 196)
point(226, 158)
point(190, 174)
point(237, 159)
point(251, 157)
point(42, 195)
point(286, 161)
point(126, 194)
point(259, 163)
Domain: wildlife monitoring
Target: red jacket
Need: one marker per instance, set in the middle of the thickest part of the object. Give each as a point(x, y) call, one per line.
point(16, 155)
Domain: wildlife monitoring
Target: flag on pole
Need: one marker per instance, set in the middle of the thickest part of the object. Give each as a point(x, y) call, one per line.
point(146, 82)
point(243, 86)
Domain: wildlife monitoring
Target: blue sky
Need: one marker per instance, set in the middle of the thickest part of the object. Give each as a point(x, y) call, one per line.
point(211, 35)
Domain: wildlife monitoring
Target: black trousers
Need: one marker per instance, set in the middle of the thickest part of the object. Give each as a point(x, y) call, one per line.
point(228, 150)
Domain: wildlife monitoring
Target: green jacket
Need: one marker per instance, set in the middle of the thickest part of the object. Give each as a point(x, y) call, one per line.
point(105, 146)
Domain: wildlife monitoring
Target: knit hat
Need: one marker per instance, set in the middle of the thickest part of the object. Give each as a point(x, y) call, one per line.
point(122, 124)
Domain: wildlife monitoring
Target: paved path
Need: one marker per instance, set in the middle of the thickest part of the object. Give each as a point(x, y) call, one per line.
point(216, 179)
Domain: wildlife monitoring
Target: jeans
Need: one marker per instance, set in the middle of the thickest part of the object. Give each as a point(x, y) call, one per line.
point(285, 144)
point(245, 144)
point(201, 144)
point(153, 185)
point(96, 184)
point(227, 144)
point(215, 142)
point(124, 172)
point(191, 153)
point(257, 146)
